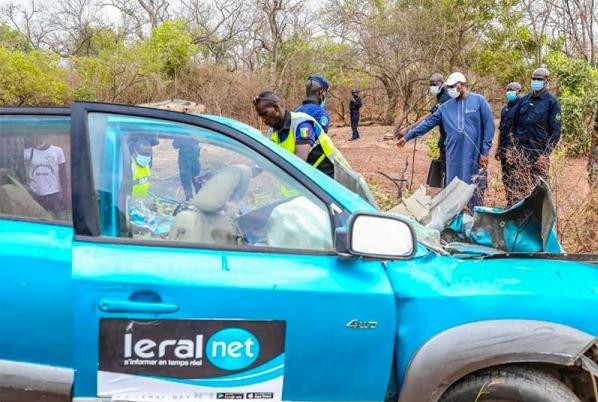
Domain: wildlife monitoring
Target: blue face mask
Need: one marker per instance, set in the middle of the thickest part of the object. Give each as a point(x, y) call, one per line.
point(511, 95)
point(537, 85)
point(323, 96)
point(142, 160)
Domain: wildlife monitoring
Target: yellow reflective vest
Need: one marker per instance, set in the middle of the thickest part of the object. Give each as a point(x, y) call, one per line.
point(141, 176)
point(330, 151)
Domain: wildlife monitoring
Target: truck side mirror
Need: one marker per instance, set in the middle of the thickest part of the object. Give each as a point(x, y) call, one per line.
point(376, 235)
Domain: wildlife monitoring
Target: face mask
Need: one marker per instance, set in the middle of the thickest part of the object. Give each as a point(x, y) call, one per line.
point(142, 160)
point(323, 103)
point(453, 92)
point(511, 95)
point(434, 89)
point(537, 85)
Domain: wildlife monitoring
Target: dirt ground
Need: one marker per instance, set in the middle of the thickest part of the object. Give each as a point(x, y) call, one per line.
point(372, 154)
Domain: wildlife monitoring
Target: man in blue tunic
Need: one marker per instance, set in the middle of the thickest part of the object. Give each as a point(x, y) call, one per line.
point(315, 101)
point(469, 126)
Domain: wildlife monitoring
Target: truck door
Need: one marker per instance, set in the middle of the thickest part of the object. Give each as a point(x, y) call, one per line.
point(235, 293)
point(35, 255)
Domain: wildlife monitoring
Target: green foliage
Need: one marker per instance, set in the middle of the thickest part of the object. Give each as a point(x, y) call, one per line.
point(432, 143)
point(578, 91)
point(321, 55)
point(383, 199)
point(506, 53)
point(172, 45)
point(11, 39)
point(118, 73)
point(96, 40)
point(32, 78)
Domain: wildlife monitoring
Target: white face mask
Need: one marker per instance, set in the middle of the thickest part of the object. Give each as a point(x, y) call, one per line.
point(453, 92)
point(434, 89)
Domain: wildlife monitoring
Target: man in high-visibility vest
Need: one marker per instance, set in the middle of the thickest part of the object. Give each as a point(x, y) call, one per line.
point(298, 133)
point(140, 168)
point(143, 214)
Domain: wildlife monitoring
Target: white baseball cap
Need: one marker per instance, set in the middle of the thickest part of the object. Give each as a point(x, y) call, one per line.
point(455, 78)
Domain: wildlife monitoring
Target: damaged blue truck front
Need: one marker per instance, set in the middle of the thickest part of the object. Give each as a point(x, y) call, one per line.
point(227, 268)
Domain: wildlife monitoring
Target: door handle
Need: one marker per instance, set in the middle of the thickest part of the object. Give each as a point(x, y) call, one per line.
point(126, 306)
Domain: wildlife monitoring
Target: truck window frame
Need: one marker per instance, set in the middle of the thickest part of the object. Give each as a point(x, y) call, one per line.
point(34, 111)
point(86, 219)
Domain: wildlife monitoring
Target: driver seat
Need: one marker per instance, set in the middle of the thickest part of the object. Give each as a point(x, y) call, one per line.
point(209, 217)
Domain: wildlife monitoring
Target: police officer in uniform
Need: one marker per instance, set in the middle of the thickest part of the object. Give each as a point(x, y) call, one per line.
point(354, 107)
point(537, 126)
point(315, 101)
point(298, 133)
point(505, 139)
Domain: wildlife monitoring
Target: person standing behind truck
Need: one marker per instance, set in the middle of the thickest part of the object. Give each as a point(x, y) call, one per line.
point(467, 119)
point(505, 140)
point(298, 133)
point(47, 176)
point(354, 106)
point(437, 89)
point(315, 102)
point(189, 165)
point(536, 128)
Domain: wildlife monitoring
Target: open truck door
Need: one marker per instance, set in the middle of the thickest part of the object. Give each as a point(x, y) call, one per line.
point(249, 302)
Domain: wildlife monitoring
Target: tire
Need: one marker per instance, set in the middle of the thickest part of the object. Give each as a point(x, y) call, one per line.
point(509, 384)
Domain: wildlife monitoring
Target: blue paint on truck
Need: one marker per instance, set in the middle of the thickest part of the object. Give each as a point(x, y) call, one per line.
point(348, 319)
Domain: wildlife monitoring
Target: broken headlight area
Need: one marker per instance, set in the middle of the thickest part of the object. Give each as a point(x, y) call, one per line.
point(444, 227)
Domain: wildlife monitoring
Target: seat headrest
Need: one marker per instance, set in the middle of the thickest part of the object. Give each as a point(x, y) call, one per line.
point(230, 183)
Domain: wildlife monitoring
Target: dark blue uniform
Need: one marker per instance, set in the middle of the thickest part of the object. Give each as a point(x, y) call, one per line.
point(536, 131)
point(537, 124)
point(189, 167)
point(505, 141)
point(507, 115)
point(316, 111)
point(441, 97)
point(354, 107)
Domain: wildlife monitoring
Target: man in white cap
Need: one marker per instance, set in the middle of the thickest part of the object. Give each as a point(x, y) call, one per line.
point(469, 125)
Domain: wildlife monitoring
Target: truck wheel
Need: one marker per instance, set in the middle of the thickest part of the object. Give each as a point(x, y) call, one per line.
point(509, 384)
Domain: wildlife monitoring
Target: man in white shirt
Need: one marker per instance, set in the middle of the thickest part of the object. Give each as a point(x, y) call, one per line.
point(47, 176)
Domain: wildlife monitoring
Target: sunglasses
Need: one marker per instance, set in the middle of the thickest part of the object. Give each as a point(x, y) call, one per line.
point(452, 86)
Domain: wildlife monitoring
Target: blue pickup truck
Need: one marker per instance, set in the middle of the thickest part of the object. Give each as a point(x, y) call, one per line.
point(116, 286)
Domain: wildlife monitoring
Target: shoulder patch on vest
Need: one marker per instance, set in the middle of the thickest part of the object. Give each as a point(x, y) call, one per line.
point(323, 121)
point(304, 132)
point(558, 117)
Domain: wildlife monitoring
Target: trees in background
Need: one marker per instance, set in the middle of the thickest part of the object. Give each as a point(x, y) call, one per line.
point(221, 52)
